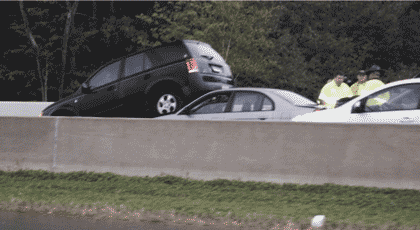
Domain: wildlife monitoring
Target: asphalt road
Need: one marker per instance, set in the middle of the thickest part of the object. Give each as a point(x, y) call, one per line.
point(32, 220)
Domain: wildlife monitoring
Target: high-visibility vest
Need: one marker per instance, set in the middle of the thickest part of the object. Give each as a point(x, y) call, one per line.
point(331, 93)
point(370, 86)
point(378, 100)
point(357, 87)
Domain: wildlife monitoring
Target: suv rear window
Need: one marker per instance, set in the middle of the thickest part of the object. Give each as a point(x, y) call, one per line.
point(204, 50)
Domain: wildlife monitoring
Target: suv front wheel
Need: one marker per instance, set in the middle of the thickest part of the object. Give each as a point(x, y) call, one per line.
point(164, 103)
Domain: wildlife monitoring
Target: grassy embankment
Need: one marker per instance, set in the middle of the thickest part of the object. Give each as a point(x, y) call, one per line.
point(240, 205)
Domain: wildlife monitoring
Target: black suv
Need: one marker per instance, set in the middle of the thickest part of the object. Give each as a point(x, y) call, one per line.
point(151, 83)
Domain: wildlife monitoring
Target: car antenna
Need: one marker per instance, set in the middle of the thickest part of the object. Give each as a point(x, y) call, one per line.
point(415, 76)
point(234, 80)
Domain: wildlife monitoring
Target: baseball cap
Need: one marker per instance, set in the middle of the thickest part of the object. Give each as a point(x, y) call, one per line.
point(361, 72)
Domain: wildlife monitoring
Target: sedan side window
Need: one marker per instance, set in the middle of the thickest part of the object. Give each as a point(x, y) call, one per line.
point(213, 104)
point(133, 65)
point(405, 97)
point(267, 104)
point(247, 102)
point(106, 75)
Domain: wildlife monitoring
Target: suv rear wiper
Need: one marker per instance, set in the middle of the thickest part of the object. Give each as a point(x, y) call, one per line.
point(208, 57)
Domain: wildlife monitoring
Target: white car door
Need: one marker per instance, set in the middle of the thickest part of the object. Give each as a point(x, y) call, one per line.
point(211, 107)
point(399, 104)
point(246, 105)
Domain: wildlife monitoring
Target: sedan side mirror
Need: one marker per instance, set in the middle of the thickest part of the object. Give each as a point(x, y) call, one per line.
point(85, 88)
point(357, 107)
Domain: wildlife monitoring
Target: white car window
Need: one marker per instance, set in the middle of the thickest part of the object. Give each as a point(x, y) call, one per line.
point(267, 104)
point(404, 97)
point(246, 102)
point(212, 104)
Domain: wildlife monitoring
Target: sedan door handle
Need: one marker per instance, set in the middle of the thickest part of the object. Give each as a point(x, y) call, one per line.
point(262, 118)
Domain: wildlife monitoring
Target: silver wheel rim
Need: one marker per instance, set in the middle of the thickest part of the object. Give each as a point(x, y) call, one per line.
point(166, 104)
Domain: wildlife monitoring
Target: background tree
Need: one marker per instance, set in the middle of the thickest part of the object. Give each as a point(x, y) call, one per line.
point(67, 30)
point(288, 45)
point(37, 50)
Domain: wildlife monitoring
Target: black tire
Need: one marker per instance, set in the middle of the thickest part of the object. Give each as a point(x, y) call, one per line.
point(164, 102)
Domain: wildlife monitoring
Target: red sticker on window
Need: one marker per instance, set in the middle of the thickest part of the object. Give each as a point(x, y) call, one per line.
point(192, 65)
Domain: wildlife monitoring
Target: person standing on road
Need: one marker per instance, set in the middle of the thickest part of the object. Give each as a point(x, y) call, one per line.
point(374, 74)
point(357, 87)
point(333, 91)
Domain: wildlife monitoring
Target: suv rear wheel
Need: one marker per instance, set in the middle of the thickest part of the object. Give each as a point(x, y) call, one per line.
point(165, 102)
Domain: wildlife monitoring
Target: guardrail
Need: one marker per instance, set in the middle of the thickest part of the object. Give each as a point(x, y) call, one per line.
point(381, 155)
point(22, 109)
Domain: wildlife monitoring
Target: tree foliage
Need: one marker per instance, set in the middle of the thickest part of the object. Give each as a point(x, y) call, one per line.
point(289, 45)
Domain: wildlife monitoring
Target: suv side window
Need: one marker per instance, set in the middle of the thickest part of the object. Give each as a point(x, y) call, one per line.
point(164, 55)
point(106, 75)
point(404, 97)
point(147, 62)
point(133, 65)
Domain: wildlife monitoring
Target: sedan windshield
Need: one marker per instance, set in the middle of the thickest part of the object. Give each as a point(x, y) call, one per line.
point(293, 98)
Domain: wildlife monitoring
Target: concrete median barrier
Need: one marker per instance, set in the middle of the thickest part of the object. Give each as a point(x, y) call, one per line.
point(22, 109)
point(378, 155)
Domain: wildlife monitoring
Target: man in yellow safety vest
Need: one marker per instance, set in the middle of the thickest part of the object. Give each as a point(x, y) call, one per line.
point(374, 73)
point(333, 91)
point(360, 85)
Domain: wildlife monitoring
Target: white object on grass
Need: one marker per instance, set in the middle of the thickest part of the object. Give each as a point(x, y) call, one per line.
point(318, 221)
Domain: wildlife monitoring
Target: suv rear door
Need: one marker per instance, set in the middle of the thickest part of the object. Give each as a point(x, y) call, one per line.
point(132, 85)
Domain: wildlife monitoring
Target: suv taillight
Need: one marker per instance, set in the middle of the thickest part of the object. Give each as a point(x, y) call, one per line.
point(192, 65)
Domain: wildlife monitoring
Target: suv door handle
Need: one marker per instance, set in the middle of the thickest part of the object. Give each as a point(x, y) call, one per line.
point(147, 76)
point(262, 118)
point(112, 87)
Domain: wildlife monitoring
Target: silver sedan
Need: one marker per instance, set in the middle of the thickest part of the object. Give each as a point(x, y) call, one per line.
point(246, 104)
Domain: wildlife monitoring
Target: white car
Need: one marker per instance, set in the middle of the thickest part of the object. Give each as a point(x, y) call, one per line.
point(399, 106)
point(245, 104)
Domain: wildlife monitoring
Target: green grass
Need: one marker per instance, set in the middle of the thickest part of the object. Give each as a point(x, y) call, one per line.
point(254, 205)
